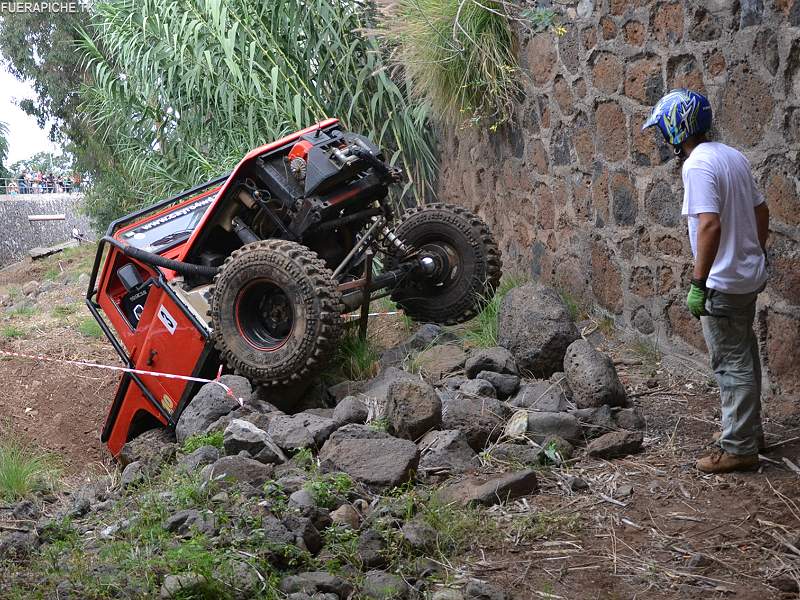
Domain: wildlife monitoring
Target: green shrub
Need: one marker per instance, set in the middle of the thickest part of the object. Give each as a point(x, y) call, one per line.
point(459, 55)
point(25, 311)
point(12, 332)
point(90, 328)
point(482, 330)
point(23, 469)
point(356, 357)
point(65, 310)
point(203, 439)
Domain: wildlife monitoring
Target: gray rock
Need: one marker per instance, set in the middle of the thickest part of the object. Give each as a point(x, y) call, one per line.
point(185, 584)
point(585, 8)
point(447, 594)
point(559, 380)
point(371, 549)
point(630, 419)
point(427, 335)
point(343, 389)
point(446, 451)
point(301, 499)
point(153, 447)
point(491, 490)
point(31, 288)
point(556, 449)
point(616, 444)
point(596, 421)
point(316, 581)
point(419, 536)
point(238, 469)
point(476, 590)
point(505, 385)
point(496, 360)
point(242, 435)
point(211, 403)
point(302, 430)
point(204, 455)
point(541, 396)
point(476, 388)
point(350, 410)
point(190, 521)
point(412, 409)
point(576, 484)
point(521, 454)
point(380, 585)
point(592, 377)
point(535, 325)
point(18, 544)
point(481, 420)
point(372, 457)
point(543, 424)
point(440, 361)
point(346, 515)
point(304, 530)
point(375, 391)
point(132, 475)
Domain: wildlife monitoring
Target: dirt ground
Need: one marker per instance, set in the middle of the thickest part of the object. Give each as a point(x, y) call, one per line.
point(58, 407)
point(649, 526)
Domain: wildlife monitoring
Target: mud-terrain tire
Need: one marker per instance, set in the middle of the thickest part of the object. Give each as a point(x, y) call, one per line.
point(275, 312)
point(466, 289)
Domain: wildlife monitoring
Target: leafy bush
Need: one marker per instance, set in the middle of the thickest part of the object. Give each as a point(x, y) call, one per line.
point(23, 469)
point(204, 439)
point(482, 330)
point(460, 55)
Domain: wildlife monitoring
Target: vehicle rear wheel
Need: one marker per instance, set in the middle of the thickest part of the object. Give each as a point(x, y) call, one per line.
point(275, 312)
point(467, 264)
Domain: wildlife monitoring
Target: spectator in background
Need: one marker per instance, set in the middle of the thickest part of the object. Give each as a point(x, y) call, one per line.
point(23, 186)
point(12, 188)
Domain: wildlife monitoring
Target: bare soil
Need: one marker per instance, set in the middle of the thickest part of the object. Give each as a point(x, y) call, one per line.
point(651, 525)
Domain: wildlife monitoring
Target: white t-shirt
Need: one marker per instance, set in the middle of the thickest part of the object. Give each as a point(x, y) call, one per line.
point(718, 179)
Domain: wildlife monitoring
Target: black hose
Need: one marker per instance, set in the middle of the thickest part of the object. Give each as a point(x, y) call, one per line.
point(187, 269)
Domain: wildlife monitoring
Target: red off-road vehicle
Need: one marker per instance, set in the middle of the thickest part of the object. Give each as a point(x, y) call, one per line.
point(256, 270)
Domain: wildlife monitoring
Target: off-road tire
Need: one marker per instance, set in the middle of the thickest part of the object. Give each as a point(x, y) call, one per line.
point(464, 297)
point(311, 293)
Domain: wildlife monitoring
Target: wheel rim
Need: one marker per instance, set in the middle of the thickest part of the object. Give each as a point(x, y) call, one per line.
point(264, 315)
point(447, 264)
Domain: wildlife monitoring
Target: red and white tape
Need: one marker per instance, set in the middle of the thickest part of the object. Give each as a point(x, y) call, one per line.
point(85, 363)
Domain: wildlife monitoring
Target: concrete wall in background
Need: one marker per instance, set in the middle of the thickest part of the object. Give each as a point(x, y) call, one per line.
point(582, 199)
point(18, 235)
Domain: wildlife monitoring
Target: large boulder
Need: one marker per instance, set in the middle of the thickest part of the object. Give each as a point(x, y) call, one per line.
point(380, 585)
point(153, 447)
point(374, 394)
point(504, 385)
point(350, 410)
point(211, 403)
point(544, 424)
point(314, 582)
point(412, 409)
point(372, 457)
point(303, 430)
point(480, 419)
point(446, 452)
point(592, 377)
point(616, 444)
point(440, 361)
point(535, 325)
point(496, 360)
point(540, 396)
point(491, 490)
point(204, 455)
point(242, 435)
point(238, 469)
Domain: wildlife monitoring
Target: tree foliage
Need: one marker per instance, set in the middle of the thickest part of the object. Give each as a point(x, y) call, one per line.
point(179, 90)
point(3, 148)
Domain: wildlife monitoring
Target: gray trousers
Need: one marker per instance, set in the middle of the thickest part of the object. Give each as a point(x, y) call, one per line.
point(733, 348)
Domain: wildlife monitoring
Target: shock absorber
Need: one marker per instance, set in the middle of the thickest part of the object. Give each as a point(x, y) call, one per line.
point(391, 240)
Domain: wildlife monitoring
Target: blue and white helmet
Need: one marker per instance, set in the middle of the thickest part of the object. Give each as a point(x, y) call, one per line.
point(681, 114)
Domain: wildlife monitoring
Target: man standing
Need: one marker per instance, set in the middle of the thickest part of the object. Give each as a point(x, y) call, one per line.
point(728, 228)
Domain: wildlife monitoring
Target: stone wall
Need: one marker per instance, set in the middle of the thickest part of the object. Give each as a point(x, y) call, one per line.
point(18, 235)
point(581, 198)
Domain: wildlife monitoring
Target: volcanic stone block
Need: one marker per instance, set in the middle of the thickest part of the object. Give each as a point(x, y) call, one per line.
point(592, 377)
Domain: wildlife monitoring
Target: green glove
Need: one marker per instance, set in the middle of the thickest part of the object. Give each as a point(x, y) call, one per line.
point(696, 300)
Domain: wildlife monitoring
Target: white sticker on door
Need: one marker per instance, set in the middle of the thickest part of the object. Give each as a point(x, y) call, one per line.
point(166, 318)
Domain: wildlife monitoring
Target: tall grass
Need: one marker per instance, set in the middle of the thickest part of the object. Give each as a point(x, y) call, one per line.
point(23, 469)
point(356, 358)
point(482, 330)
point(459, 55)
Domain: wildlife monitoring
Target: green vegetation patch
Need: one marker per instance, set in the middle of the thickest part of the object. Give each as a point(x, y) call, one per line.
point(24, 469)
point(205, 439)
point(482, 330)
point(90, 328)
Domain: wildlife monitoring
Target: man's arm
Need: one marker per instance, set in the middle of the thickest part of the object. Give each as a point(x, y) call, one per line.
point(762, 224)
point(708, 233)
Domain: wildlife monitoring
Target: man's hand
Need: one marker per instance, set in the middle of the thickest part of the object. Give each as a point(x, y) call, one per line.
point(696, 300)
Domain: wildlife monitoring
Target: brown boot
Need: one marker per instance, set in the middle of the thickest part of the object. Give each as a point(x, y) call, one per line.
point(722, 462)
point(762, 443)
